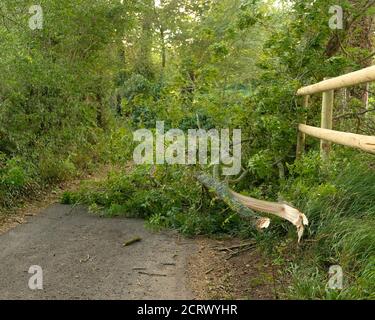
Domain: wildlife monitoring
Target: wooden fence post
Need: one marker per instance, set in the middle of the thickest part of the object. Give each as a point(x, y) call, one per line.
point(301, 138)
point(326, 121)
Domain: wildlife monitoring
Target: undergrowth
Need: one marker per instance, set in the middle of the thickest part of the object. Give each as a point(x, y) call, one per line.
point(24, 177)
point(338, 198)
point(168, 197)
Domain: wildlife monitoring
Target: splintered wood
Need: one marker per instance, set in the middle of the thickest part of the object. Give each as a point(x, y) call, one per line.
point(244, 206)
point(281, 210)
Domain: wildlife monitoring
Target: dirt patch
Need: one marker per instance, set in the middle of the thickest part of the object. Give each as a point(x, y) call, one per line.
point(242, 272)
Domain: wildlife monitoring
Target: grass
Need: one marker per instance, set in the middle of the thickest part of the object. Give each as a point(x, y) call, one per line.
point(339, 200)
point(341, 211)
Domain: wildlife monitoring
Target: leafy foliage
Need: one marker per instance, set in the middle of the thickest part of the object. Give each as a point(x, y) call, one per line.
point(167, 197)
point(56, 84)
point(72, 93)
point(342, 227)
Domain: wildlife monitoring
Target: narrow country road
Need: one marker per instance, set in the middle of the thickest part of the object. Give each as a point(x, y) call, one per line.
point(82, 257)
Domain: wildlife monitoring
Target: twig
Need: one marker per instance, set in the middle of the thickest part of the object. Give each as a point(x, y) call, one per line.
point(353, 114)
point(239, 252)
point(209, 271)
point(152, 274)
point(240, 178)
point(132, 241)
point(85, 260)
point(367, 58)
point(237, 246)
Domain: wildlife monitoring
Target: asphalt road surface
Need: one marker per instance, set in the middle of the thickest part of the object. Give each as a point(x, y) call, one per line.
point(82, 257)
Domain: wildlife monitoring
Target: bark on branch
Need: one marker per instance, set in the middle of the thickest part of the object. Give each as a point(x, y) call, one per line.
point(244, 206)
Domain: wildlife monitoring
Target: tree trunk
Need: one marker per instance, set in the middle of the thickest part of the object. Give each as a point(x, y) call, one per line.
point(361, 36)
point(163, 49)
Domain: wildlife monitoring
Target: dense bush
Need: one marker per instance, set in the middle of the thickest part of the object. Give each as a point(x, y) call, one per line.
point(56, 84)
point(72, 93)
point(168, 197)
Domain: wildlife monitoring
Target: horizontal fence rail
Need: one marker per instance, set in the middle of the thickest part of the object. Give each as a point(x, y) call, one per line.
point(350, 79)
point(325, 133)
point(358, 141)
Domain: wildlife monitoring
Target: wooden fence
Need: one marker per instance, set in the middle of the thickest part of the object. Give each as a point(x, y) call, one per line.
point(325, 133)
point(244, 205)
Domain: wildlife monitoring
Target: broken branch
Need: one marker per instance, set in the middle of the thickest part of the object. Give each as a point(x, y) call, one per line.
point(244, 206)
point(223, 192)
point(132, 241)
point(281, 210)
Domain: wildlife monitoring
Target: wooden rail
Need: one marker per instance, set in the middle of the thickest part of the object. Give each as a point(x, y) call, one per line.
point(358, 141)
point(351, 79)
point(325, 133)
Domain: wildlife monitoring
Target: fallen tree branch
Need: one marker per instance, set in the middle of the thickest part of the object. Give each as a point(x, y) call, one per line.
point(223, 192)
point(244, 206)
point(281, 210)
